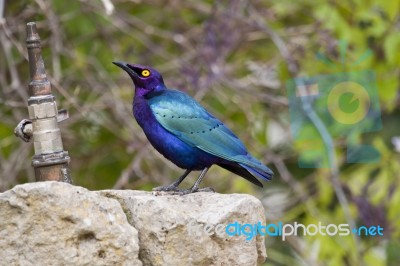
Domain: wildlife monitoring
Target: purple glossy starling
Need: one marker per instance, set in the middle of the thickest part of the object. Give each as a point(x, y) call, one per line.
point(185, 133)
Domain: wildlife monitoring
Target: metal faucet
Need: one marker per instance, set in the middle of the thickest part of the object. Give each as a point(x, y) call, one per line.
point(50, 161)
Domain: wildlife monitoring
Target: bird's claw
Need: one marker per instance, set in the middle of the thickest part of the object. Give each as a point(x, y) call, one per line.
point(173, 190)
point(192, 190)
point(206, 189)
point(168, 188)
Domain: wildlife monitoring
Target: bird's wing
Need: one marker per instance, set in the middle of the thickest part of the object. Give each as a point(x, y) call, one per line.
point(181, 115)
point(188, 120)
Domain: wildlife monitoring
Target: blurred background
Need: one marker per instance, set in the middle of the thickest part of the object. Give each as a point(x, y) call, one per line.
point(235, 57)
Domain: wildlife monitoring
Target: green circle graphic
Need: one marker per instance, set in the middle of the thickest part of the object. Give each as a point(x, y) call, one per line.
point(354, 96)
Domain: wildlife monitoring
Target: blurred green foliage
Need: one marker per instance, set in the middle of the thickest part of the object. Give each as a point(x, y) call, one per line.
point(235, 57)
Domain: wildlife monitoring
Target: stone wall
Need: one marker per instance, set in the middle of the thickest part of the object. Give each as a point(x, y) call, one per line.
point(52, 223)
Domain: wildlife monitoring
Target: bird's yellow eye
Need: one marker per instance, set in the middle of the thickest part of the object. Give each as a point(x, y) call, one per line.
point(145, 73)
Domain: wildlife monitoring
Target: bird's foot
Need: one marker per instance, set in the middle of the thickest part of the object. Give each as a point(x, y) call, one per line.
point(174, 190)
point(206, 189)
point(193, 190)
point(169, 188)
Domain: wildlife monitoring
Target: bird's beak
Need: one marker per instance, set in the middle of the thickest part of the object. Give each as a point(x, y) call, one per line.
point(125, 67)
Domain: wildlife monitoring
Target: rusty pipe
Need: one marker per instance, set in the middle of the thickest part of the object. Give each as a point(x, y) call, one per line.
point(39, 84)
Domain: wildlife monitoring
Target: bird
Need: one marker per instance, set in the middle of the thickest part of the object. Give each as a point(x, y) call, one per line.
point(185, 133)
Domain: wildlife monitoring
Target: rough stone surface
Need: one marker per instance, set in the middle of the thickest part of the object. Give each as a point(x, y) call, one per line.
point(167, 227)
point(52, 223)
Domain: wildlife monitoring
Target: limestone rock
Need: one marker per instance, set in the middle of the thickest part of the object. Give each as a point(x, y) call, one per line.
point(53, 223)
point(190, 229)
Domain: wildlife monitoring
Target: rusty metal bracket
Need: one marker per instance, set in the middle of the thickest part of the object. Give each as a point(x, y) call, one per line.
point(50, 161)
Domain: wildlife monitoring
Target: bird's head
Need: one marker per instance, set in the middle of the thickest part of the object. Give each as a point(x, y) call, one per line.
point(146, 79)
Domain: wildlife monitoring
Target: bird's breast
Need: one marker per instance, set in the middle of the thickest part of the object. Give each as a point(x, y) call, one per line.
point(170, 146)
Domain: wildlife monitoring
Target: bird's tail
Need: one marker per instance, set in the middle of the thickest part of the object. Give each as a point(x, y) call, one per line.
point(255, 167)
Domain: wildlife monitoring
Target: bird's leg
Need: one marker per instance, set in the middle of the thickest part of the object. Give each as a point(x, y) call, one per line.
point(195, 187)
point(173, 186)
point(197, 183)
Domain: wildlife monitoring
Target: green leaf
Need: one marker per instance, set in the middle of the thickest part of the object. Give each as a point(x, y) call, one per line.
point(391, 47)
